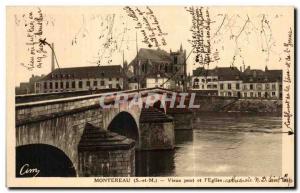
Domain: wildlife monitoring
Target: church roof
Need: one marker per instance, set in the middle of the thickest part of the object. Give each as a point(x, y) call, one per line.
point(157, 55)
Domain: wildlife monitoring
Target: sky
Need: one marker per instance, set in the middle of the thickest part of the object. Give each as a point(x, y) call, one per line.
point(250, 36)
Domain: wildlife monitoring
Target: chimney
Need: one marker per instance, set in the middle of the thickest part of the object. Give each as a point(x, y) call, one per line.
point(244, 67)
point(241, 69)
point(52, 58)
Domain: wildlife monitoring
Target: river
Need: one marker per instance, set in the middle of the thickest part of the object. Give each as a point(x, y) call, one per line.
point(221, 144)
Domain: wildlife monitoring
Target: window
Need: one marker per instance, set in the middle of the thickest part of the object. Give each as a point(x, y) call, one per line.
point(67, 84)
point(273, 93)
point(110, 85)
point(251, 88)
point(95, 82)
point(118, 86)
point(251, 94)
point(245, 87)
point(203, 80)
point(50, 86)
point(259, 94)
point(45, 85)
point(102, 83)
point(245, 94)
point(196, 81)
point(229, 93)
point(110, 79)
point(208, 80)
point(280, 87)
point(267, 86)
point(117, 79)
point(88, 83)
point(273, 86)
point(215, 86)
point(259, 86)
point(229, 86)
point(237, 86)
point(61, 84)
point(80, 84)
point(266, 95)
point(202, 86)
point(73, 84)
point(56, 85)
point(208, 86)
point(221, 86)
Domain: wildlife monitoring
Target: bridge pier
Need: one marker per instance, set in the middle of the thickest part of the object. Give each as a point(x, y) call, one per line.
point(183, 118)
point(102, 153)
point(157, 130)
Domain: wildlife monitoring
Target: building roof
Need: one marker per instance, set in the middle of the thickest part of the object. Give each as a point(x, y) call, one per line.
point(232, 73)
point(153, 55)
point(86, 72)
point(250, 76)
point(201, 71)
point(224, 73)
point(228, 73)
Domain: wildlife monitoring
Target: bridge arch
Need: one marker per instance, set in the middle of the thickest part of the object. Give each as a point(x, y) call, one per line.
point(125, 124)
point(43, 160)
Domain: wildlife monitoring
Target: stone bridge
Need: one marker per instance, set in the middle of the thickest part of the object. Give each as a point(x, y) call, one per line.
point(58, 125)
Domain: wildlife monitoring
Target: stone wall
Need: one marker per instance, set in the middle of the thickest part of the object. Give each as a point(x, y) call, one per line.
point(255, 105)
point(182, 121)
point(227, 104)
point(120, 163)
point(33, 110)
point(157, 135)
point(212, 103)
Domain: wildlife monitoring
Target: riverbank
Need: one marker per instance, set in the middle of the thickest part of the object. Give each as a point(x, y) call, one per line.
point(233, 104)
point(255, 105)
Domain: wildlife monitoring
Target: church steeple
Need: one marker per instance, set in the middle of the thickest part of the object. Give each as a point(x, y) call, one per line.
point(181, 48)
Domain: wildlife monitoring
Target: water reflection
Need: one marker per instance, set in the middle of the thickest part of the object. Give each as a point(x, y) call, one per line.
point(155, 163)
point(183, 136)
point(220, 145)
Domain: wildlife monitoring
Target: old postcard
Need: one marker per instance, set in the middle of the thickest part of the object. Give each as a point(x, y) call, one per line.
point(150, 96)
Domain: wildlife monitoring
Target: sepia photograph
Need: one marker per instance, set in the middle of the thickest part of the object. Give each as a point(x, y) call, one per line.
point(150, 96)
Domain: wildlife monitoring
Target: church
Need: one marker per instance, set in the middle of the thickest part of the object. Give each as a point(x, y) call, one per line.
point(160, 65)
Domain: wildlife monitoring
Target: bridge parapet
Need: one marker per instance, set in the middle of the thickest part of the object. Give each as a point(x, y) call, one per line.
point(41, 110)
